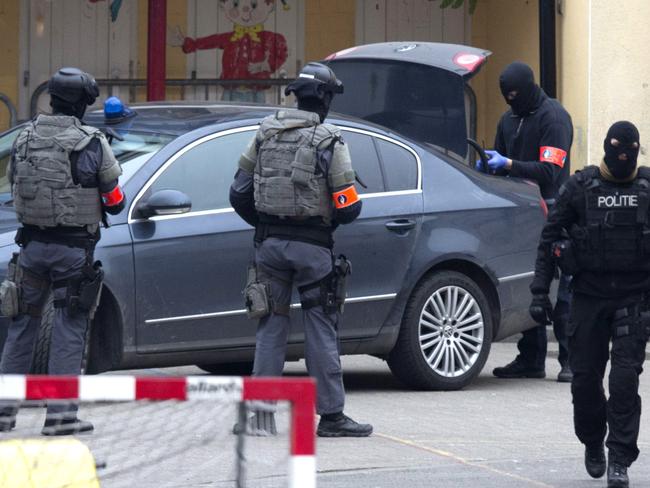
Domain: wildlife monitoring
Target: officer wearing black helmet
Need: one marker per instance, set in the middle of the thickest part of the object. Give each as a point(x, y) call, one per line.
point(64, 177)
point(604, 211)
point(295, 184)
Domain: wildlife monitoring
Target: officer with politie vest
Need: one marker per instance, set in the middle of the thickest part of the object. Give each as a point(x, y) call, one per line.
point(599, 232)
point(64, 177)
point(295, 184)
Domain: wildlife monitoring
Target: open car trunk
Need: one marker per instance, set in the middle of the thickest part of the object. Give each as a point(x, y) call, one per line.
point(418, 89)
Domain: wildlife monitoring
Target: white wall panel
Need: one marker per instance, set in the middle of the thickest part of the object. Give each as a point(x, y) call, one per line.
point(409, 20)
point(77, 33)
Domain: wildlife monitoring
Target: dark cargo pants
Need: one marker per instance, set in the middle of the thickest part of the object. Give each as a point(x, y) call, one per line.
point(53, 262)
point(533, 343)
point(298, 263)
point(590, 332)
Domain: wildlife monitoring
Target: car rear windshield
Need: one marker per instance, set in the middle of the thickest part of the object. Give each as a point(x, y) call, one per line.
point(132, 152)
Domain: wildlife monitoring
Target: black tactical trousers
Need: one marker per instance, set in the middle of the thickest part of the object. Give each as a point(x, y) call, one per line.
point(590, 332)
point(52, 262)
point(533, 343)
point(297, 263)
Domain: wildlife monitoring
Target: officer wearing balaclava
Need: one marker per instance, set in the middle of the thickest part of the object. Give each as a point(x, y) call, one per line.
point(295, 185)
point(604, 212)
point(533, 141)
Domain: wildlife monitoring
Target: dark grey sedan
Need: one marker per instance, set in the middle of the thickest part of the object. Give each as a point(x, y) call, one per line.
point(442, 255)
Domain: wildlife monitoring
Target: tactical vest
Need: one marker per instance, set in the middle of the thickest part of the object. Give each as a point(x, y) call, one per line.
point(44, 192)
point(287, 179)
point(613, 233)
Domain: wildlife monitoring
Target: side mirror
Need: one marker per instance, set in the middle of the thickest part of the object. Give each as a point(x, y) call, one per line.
point(165, 202)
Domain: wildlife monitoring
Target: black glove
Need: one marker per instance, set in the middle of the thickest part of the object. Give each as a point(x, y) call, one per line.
point(541, 309)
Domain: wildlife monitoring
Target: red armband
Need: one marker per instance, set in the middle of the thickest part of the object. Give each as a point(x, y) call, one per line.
point(113, 197)
point(345, 197)
point(553, 155)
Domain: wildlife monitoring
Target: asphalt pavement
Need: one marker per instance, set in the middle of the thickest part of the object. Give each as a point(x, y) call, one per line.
point(493, 434)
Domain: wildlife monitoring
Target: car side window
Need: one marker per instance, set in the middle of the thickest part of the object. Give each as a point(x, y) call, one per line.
point(400, 166)
point(365, 162)
point(205, 172)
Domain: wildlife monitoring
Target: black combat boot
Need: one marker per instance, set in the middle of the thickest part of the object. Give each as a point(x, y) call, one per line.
point(595, 461)
point(517, 369)
point(617, 475)
point(339, 425)
point(66, 427)
point(7, 422)
point(565, 375)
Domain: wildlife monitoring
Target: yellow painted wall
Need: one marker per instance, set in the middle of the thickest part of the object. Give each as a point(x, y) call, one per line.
point(175, 58)
point(619, 75)
point(508, 28)
point(9, 40)
point(329, 27)
point(573, 73)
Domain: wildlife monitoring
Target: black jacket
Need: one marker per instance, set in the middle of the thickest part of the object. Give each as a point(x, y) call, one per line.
point(545, 133)
point(570, 209)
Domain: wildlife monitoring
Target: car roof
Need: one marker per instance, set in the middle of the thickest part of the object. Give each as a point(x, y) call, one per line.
point(462, 60)
point(177, 118)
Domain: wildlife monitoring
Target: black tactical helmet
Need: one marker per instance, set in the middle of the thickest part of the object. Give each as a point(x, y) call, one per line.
point(314, 81)
point(71, 85)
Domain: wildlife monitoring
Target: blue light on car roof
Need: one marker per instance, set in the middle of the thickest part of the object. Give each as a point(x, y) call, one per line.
point(115, 110)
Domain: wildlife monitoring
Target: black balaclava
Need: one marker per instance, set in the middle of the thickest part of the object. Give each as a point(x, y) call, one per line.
point(627, 135)
point(314, 104)
point(519, 77)
point(60, 106)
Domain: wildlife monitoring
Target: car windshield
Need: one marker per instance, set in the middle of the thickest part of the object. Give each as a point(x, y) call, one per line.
point(136, 149)
point(132, 152)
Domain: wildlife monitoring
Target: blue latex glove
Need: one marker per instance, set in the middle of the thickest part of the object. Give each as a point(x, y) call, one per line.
point(479, 165)
point(496, 162)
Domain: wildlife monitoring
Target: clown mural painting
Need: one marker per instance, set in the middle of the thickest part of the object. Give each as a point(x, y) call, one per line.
point(249, 51)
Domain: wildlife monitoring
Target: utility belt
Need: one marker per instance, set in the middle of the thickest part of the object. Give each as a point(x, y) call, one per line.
point(633, 319)
point(11, 299)
point(333, 288)
point(82, 291)
point(333, 291)
point(320, 236)
point(68, 236)
point(564, 255)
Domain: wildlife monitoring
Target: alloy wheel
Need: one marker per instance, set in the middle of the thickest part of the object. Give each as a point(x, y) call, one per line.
point(451, 331)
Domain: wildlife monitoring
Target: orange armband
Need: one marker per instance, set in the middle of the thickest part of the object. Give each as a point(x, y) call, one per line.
point(346, 197)
point(113, 197)
point(549, 154)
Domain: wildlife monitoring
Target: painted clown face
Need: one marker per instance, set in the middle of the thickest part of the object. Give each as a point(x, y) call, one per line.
point(247, 13)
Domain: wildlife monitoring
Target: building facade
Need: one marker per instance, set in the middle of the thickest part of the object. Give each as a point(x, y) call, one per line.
point(601, 76)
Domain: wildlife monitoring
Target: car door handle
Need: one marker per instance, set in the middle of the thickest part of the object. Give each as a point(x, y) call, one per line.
point(400, 225)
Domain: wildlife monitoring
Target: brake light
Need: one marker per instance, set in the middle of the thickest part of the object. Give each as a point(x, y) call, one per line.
point(468, 61)
point(340, 53)
point(542, 204)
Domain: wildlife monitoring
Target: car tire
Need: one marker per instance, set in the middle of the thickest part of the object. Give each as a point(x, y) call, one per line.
point(445, 336)
point(41, 356)
point(228, 369)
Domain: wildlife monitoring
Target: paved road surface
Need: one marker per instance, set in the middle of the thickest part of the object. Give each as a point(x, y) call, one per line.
point(494, 434)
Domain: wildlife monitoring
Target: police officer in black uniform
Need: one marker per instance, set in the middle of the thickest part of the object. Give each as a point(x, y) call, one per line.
point(533, 141)
point(295, 184)
point(64, 176)
point(604, 212)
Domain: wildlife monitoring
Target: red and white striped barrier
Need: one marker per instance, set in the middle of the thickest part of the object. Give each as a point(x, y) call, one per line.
point(300, 392)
